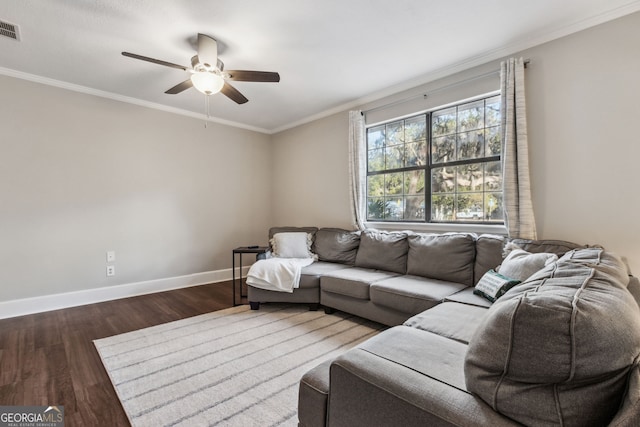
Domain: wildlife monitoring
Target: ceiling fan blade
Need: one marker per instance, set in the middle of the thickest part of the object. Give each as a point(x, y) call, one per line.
point(207, 51)
point(155, 61)
point(253, 76)
point(233, 93)
point(180, 87)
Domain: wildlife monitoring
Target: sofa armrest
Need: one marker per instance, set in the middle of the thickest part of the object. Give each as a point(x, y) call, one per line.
point(629, 413)
point(634, 288)
point(264, 255)
point(369, 390)
point(312, 396)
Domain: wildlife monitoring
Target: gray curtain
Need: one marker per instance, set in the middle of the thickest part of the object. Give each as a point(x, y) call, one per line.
point(518, 208)
point(357, 169)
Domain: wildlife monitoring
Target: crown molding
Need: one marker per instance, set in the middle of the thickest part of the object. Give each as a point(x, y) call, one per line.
point(129, 100)
point(483, 58)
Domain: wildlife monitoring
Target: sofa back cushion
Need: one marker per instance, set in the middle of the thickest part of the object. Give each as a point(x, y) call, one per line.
point(558, 349)
point(489, 249)
point(558, 247)
point(274, 230)
point(383, 250)
point(337, 245)
point(447, 256)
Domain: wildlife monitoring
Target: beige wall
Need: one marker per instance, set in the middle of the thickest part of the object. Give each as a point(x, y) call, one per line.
point(584, 93)
point(80, 175)
point(310, 172)
point(583, 107)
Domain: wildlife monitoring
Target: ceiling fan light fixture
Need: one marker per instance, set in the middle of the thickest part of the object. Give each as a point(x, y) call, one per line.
point(208, 78)
point(207, 82)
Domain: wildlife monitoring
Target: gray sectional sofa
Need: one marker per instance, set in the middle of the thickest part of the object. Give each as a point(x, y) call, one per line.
point(560, 348)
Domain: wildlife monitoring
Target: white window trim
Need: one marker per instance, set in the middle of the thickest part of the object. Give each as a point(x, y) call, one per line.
point(432, 227)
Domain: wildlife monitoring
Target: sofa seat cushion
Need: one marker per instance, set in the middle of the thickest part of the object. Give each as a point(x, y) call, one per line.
point(448, 256)
point(411, 294)
point(320, 268)
point(353, 282)
point(450, 320)
point(466, 296)
point(430, 354)
point(310, 275)
point(558, 348)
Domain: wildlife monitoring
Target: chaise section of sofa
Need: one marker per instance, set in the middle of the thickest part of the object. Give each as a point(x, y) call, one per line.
point(308, 291)
point(405, 377)
point(415, 371)
point(336, 250)
point(559, 348)
point(425, 372)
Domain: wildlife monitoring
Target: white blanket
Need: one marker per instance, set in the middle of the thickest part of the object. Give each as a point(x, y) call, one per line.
point(277, 274)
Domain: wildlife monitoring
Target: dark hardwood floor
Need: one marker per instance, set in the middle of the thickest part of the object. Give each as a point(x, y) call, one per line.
point(49, 358)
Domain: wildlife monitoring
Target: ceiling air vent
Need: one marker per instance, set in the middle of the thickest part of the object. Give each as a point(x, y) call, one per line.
point(9, 30)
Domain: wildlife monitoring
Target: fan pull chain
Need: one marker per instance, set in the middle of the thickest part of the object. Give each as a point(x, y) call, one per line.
point(206, 107)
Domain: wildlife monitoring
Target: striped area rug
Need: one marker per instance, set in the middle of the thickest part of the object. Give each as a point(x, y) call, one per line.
point(234, 367)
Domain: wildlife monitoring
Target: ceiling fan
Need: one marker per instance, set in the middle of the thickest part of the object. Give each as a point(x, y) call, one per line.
point(208, 74)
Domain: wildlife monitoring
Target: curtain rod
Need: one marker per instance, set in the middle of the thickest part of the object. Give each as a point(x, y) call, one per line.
point(440, 89)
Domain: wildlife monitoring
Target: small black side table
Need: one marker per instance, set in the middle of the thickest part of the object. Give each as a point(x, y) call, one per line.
point(243, 250)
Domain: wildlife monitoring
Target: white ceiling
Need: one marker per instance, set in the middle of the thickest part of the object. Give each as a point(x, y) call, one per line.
point(331, 54)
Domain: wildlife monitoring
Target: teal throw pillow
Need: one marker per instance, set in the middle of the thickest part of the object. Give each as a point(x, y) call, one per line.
point(493, 285)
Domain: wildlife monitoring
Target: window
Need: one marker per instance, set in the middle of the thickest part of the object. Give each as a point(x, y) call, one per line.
point(440, 166)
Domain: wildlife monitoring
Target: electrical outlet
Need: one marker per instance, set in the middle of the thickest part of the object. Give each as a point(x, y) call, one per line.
point(111, 270)
point(111, 256)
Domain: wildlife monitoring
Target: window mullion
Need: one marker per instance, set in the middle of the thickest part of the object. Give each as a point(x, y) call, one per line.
point(427, 171)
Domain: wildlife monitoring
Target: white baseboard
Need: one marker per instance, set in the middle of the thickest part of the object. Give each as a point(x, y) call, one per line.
point(21, 307)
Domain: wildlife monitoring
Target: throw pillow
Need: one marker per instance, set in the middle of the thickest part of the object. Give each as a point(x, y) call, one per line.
point(292, 245)
point(493, 285)
point(520, 264)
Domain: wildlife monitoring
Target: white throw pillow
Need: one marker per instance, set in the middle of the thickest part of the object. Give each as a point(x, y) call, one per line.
point(292, 245)
point(520, 264)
